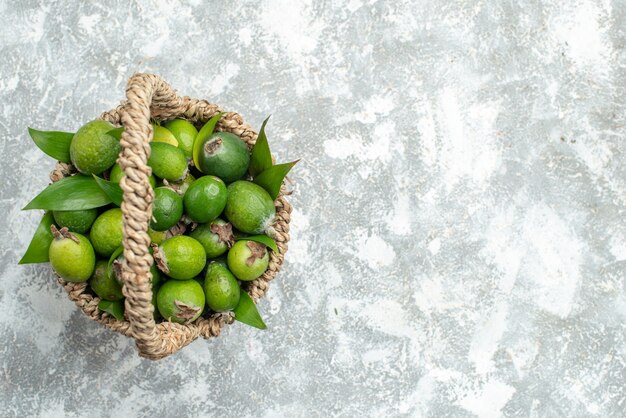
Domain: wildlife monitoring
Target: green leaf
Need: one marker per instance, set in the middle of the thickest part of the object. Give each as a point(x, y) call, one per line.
point(113, 190)
point(116, 309)
point(271, 178)
point(205, 132)
point(55, 144)
point(247, 313)
point(261, 158)
point(71, 193)
point(37, 251)
point(116, 133)
point(263, 239)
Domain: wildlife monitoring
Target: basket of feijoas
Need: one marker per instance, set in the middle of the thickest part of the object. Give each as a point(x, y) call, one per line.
point(165, 219)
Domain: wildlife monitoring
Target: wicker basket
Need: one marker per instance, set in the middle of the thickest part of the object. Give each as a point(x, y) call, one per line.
point(149, 97)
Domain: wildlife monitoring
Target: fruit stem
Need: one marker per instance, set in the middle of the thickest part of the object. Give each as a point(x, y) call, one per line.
point(55, 232)
point(63, 233)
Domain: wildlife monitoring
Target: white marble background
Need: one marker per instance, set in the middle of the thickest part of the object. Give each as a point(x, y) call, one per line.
point(459, 234)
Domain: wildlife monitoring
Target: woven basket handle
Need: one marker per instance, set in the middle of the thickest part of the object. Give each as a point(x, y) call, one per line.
point(146, 94)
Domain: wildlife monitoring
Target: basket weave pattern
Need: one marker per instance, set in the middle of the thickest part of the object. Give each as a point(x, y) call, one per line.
point(149, 97)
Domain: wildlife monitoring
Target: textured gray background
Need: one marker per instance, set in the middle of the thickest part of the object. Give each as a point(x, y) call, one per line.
point(459, 243)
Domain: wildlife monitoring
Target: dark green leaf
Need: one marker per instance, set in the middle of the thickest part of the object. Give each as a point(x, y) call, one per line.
point(205, 132)
point(261, 158)
point(37, 251)
point(271, 178)
point(247, 312)
point(113, 190)
point(55, 144)
point(263, 239)
point(116, 309)
point(116, 133)
point(71, 193)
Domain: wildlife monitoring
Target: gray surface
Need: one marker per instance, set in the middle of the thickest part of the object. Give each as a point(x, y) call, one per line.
point(459, 245)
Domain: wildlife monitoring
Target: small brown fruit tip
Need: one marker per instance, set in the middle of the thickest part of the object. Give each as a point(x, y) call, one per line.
point(186, 311)
point(212, 146)
point(224, 233)
point(117, 269)
point(258, 251)
point(159, 259)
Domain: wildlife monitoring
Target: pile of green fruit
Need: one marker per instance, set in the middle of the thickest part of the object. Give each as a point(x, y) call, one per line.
point(213, 204)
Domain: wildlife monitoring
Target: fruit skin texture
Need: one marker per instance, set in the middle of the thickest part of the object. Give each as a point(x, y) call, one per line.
point(167, 161)
point(213, 244)
point(167, 209)
point(106, 232)
point(105, 285)
point(247, 260)
point(205, 199)
point(180, 301)
point(160, 134)
point(183, 256)
point(184, 132)
point(221, 289)
point(74, 262)
point(75, 220)
point(116, 175)
point(249, 207)
point(224, 155)
point(92, 151)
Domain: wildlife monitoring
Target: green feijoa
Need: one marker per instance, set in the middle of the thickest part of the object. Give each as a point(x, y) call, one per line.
point(92, 150)
point(116, 175)
point(71, 255)
point(249, 207)
point(205, 199)
point(248, 260)
point(106, 232)
point(104, 284)
point(221, 289)
point(184, 132)
point(161, 134)
point(180, 257)
point(215, 237)
point(224, 155)
point(75, 220)
point(167, 209)
point(167, 161)
point(180, 301)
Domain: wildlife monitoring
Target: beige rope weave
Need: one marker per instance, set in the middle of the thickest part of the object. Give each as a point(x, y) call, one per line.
point(149, 97)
